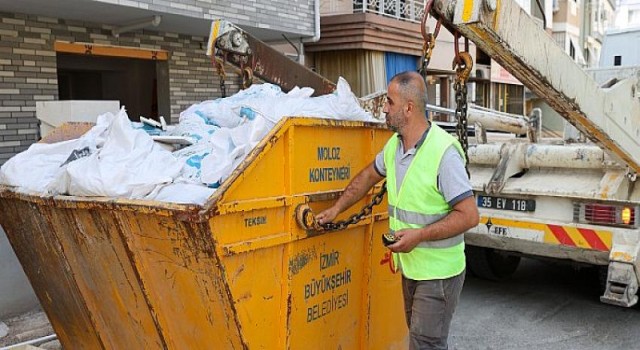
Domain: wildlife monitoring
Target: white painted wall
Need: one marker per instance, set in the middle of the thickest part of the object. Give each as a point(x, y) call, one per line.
point(628, 14)
point(625, 43)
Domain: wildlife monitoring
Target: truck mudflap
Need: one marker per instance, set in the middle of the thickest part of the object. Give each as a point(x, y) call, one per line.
point(622, 285)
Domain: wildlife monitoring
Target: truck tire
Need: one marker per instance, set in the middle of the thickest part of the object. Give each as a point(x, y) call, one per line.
point(602, 274)
point(490, 264)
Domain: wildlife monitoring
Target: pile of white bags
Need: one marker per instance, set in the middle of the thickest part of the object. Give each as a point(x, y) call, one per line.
point(115, 159)
point(111, 160)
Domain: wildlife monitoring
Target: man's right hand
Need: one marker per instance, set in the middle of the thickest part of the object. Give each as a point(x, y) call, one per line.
point(327, 216)
point(356, 190)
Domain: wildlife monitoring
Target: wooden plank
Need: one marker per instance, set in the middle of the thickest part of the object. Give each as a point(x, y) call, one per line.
point(110, 51)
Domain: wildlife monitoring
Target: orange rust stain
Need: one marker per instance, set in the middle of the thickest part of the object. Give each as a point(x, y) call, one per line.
point(622, 256)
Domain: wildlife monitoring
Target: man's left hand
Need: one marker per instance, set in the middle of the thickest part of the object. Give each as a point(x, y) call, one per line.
point(406, 240)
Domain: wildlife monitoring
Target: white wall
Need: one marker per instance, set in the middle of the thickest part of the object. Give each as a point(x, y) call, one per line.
point(618, 44)
point(628, 14)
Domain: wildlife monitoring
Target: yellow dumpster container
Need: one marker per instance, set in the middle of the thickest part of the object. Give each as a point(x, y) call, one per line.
point(238, 273)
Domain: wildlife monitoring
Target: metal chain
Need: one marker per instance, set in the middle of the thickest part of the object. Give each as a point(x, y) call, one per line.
point(463, 63)
point(429, 39)
point(427, 50)
point(461, 114)
point(220, 66)
point(357, 217)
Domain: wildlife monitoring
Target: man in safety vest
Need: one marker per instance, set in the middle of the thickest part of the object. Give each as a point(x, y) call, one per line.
point(431, 205)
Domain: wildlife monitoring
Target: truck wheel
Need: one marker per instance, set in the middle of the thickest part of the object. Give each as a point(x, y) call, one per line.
point(602, 272)
point(490, 264)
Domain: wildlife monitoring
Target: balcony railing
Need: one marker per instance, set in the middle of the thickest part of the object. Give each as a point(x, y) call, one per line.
point(406, 10)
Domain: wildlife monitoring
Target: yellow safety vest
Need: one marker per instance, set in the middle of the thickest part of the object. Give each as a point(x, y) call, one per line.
point(418, 203)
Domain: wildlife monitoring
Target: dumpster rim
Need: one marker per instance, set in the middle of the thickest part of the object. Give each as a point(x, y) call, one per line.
point(186, 212)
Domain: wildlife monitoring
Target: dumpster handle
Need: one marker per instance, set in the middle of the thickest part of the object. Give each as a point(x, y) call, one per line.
point(307, 220)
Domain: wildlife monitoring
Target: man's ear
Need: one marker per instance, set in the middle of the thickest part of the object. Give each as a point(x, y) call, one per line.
point(409, 107)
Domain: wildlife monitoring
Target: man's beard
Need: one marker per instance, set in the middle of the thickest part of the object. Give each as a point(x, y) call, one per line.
point(394, 128)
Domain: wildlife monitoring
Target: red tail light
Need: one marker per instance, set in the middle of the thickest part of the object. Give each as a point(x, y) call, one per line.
point(606, 214)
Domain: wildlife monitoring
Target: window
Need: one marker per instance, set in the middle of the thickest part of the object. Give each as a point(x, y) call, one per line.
point(586, 56)
point(572, 50)
point(617, 60)
point(509, 98)
point(482, 94)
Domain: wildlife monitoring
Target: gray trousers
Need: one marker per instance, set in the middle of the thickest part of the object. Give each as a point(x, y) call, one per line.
point(429, 308)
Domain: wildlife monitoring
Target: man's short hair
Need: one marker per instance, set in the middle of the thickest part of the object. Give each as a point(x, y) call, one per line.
point(412, 87)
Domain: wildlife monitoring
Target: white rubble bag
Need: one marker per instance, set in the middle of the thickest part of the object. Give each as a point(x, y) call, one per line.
point(113, 160)
point(129, 164)
point(259, 115)
point(33, 170)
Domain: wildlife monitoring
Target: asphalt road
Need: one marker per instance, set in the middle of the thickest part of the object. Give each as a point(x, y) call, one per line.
point(542, 306)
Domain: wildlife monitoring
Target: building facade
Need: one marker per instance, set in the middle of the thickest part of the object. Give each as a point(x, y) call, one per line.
point(627, 14)
point(567, 25)
point(148, 54)
point(616, 51)
point(598, 16)
point(369, 41)
point(579, 27)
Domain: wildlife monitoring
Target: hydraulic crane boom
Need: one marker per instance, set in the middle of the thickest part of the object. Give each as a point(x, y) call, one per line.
point(608, 115)
point(230, 44)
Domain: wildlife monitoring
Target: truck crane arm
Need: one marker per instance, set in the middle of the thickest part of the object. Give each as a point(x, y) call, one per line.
point(230, 44)
point(608, 115)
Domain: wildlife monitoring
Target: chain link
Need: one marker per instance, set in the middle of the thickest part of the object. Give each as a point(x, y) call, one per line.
point(427, 50)
point(429, 39)
point(461, 116)
point(223, 75)
point(357, 217)
point(462, 63)
point(247, 77)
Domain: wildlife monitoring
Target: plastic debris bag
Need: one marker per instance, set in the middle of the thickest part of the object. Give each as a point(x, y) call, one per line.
point(182, 192)
point(192, 157)
point(341, 104)
point(221, 112)
point(129, 164)
point(36, 169)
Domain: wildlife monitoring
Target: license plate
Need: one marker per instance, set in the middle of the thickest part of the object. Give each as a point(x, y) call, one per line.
point(504, 203)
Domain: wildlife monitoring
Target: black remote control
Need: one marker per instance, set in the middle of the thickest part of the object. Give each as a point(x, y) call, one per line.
point(388, 239)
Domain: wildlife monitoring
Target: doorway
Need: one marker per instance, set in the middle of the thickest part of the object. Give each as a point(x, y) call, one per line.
point(141, 85)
